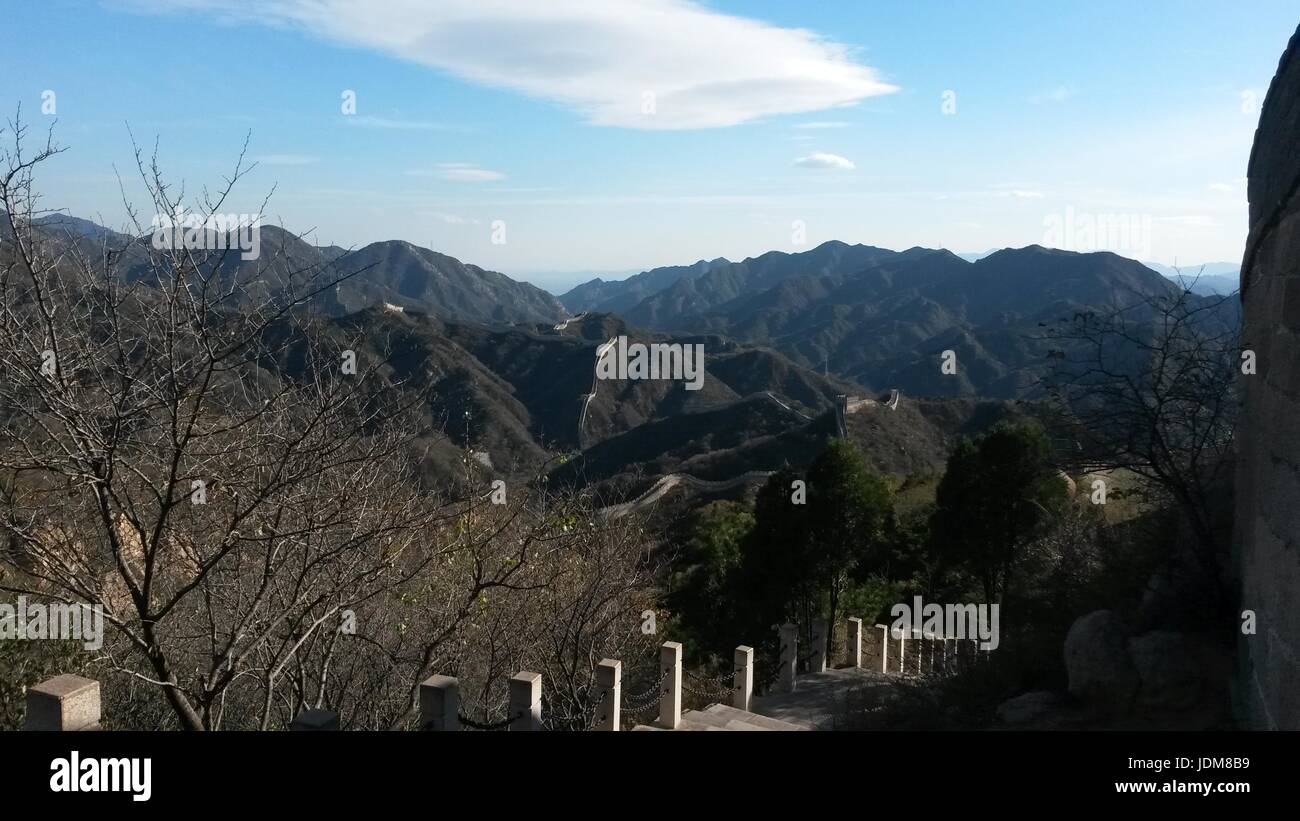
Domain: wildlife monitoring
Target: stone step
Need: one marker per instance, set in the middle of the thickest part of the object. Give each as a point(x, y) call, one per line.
point(720, 717)
point(755, 720)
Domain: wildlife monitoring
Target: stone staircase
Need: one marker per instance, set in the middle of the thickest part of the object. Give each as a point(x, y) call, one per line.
point(720, 717)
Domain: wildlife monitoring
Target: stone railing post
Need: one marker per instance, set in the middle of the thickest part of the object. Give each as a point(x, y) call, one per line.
point(817, 664)
point(65, 702)
point(609, 678)
point(315, 721)
point(670, 703)
point(440, 704)
point(526, 702)
point(789, 658)
point(853, 642)
point(884, 647)
point(742, 685)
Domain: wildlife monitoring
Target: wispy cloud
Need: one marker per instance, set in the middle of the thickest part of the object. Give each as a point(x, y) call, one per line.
point(458, 172)
point(450, 219)
point(1017, 190)
point(1056, 95)
point(646, 64)
point(287, 159)
point(1220, 187)
point(824, 124)
point(832, 162)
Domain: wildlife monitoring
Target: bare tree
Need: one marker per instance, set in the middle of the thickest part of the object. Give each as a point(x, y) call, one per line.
point(186, 443)
point(1150, 388)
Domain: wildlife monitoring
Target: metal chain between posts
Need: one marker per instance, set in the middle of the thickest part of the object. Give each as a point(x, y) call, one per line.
point(713, 694)
point(638, 703)
point(634, 709)
point(478, 725)
point(725, 678)
point(654, 688)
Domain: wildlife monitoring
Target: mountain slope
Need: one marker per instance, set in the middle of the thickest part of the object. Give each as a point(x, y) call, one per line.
point(883, 319)
point(620, 295)
point(393, 272)
point(699, 295)
point(408, 275)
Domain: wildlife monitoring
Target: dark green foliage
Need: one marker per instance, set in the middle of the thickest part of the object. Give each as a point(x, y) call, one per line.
point(849, 511)
point(700, 589)
point(805, 542)
point(997, 493)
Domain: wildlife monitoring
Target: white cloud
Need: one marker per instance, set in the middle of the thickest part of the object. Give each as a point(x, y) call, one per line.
point(458, 172)
point(1222, 188)
point(824, 124)
point(1016, 190)
point(286, 159)
point(703, 68)
point(1057, 95)
point(450, 219)
point(830, 161)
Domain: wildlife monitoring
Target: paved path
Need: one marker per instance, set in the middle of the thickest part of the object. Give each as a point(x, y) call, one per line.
point(717, 717)
point(820, 699)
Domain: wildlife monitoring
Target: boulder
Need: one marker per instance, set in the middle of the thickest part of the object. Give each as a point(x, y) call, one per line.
point(1097, 661)
point(1166, 666)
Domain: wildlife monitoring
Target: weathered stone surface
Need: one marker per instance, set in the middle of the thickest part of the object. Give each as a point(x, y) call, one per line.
point(65, 702)
point(1029, 708)
point(1267, 540)
point(1098, 664)
point(1166, 666)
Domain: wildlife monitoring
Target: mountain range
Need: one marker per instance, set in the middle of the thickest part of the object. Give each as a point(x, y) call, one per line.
point(392, 271)
point(786, 336)
point(882, 318)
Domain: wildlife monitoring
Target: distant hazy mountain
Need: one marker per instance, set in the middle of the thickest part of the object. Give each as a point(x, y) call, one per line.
point(618, 295)
point(77, 227)
point(882, 318)
point(976, 256)
point(1211, 278)
point(723, 283)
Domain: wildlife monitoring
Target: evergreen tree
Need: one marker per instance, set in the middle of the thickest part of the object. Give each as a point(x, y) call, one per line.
point(995, 495)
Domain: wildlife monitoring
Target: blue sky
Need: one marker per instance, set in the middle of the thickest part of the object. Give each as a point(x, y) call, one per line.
point(775, 125)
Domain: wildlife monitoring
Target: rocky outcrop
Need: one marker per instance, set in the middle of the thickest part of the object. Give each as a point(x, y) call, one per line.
point(1267, 540)
point(1097, 661)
